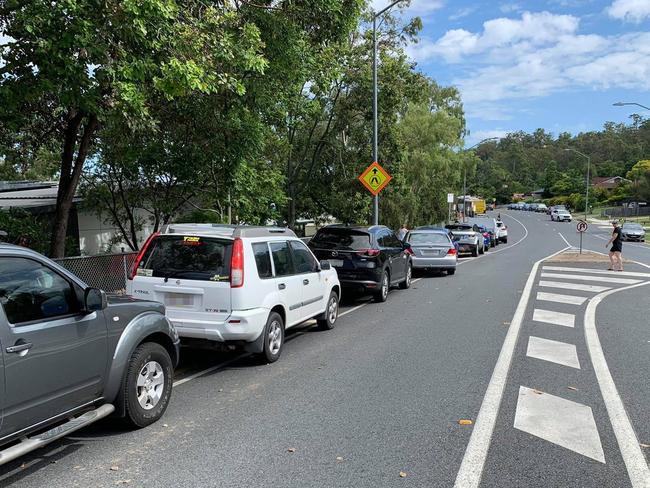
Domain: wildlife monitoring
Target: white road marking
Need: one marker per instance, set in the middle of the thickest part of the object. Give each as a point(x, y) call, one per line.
point(635, 462)
point(471, 468)
point(555, 318)
point(558, 298)
point(353, 309)
point(596, 271)
point(573, 286)
point(562, 422)
point(608, 279)
point(209, 370)
point(564, 239)
point(553, 351)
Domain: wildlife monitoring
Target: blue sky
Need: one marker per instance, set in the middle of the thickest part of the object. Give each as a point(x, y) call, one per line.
point(520, 65)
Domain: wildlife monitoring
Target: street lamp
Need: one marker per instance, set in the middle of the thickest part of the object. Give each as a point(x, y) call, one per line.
point(465, 175)
point(375, 122)
point(621, 104)
point(588, 169)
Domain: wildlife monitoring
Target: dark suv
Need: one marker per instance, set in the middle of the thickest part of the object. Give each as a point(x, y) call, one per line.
point(370, 258)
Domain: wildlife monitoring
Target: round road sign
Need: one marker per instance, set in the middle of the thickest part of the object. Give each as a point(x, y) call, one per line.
point(582, 226)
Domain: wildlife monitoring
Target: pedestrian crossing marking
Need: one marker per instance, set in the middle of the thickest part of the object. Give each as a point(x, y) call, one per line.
point(573, 286)
point(597, 271)
point(555, 318)
point(558, 298)
point(608, 279)
point(553, 351)
point(568, 424)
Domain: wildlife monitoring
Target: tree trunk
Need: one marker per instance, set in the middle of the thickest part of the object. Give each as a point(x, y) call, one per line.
point(71, 168)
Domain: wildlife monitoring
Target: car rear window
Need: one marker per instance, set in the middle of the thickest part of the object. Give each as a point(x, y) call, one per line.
point(189, 257)
point(427, 238)
point(459, 227)
point(346, 239)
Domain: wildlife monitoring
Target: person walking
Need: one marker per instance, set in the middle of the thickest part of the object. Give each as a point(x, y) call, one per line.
point(401, 234)
point(615, 258)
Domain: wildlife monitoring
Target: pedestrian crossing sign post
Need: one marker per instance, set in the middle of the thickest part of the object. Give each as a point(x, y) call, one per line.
point(375, 178)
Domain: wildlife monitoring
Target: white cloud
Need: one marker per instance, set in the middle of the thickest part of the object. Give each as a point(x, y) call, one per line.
point(480, 135)
point(508, 8)
point(463, 12)
point(630, 10)
point(535, 56)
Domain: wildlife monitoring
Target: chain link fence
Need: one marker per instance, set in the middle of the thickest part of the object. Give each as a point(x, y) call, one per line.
point(641, 211)
point(106, 271)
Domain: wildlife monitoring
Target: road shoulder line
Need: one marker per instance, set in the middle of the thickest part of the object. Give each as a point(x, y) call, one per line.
point(471, 468)
point(634, 459)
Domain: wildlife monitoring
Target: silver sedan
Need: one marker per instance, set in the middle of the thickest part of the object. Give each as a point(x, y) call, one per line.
point(432, 250)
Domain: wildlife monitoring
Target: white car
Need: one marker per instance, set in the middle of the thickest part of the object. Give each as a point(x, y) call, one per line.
point(237, 285)
point(561, 216)
point(502, 231)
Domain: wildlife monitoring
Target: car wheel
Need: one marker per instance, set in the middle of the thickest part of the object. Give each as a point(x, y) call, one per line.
point(505, 240)
point(147, 385)
point(331, 313)
point(475, 251)
point(482, 249)
point(382, 295)
point(406, 284)
point(273, 338)
point(451, 271)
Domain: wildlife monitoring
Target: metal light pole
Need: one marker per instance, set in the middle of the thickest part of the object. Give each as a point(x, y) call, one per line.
point(588, 182)
point(465, 176)
point(621, 104)
point(375, 119)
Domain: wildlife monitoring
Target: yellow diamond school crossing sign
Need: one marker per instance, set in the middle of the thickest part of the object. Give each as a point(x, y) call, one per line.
point(375, 178)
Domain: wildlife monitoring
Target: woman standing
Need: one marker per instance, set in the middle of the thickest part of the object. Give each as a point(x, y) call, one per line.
point(615, 259)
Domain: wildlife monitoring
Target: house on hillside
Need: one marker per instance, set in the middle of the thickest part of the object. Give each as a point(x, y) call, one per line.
point(85, 227)
point(608, 182)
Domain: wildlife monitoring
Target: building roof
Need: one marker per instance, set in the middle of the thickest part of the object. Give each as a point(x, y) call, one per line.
point(28, 194)
point(607, 180)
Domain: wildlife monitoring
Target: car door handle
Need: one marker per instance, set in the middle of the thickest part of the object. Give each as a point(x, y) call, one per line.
point(26, 346)
point(282, 286)
point(305, 282)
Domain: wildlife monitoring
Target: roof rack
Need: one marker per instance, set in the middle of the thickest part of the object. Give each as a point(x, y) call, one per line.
point(225, 230)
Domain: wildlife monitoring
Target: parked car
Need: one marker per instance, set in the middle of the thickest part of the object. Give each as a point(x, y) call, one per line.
point(490, 225)
point(631, 231)
point(369, 258)
point(236, 285)
point(440, 229)
point(433, 249)
point(73, 355)
point(541, 208)
point(562, 216)
point(502, 231)
point(487, 237)
point(555, 208)
point(469, 238)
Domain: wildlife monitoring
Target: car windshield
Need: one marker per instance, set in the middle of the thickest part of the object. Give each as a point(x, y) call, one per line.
point(347, 239)
point(427, 238)
point(189, 257)
point(632, 226)
point(462, 227)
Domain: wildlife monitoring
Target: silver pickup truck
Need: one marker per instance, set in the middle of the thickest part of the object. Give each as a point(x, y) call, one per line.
point(71, 355)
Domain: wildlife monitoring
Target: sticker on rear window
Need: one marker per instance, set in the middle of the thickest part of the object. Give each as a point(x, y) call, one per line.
point(220, 278)
point(144, 272)
point(191, 241)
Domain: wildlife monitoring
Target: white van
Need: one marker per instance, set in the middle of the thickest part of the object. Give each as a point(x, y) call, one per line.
point(239, 285)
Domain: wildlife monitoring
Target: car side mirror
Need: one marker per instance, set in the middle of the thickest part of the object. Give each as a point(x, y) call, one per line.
point(94, 300)
point(325, 265)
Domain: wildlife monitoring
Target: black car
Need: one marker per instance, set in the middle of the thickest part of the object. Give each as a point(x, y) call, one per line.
point(368, 258)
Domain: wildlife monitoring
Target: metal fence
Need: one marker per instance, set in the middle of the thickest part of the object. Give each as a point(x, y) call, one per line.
point(626, 211)
point(106, 271)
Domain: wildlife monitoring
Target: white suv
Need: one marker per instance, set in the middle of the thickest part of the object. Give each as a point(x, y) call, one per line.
point(239, 285)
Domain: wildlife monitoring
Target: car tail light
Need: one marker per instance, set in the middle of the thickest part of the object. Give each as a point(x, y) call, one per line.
point(237, 264)
point(452, 252)
point(140, 255)
point(368, 252)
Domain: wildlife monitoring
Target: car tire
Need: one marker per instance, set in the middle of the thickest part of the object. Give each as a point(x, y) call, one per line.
point(505, 240)
point(475, 251)
point(406, 284)
point(451, 271)
point(273, 338)
point(382, 294)
point(147, 385)
point(482, 249)
point(331, 313)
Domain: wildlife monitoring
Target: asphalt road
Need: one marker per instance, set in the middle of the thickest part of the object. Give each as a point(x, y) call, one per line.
point(383, 392)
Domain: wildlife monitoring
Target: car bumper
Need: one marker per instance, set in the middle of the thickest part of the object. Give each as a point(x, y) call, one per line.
point(633, 238)
point(467, 246)
point(241, 325)
point(442, 262)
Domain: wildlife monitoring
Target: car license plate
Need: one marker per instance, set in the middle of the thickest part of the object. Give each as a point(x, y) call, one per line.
point(337, 263)
point(179, 300)
point(431, 253)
